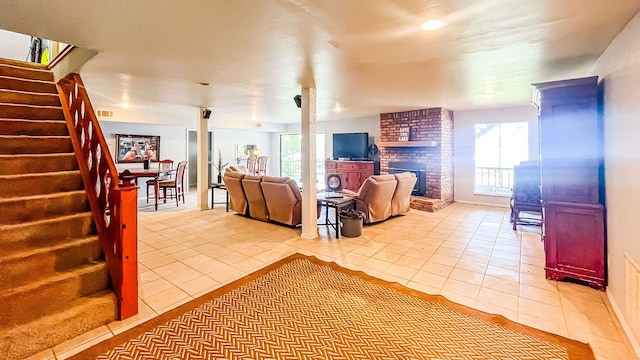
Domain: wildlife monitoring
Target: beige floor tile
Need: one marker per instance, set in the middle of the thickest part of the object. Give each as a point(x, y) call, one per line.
point(461, 288)
point(555, 327)
point(430, 280)
point(497, 310)
point(507, 274)
point(498, 298)
point(467, 276)
point(540, 295)
point(376, 264)
point(540, 310)
point(500, 284)
point(165, 298)
point(436, 268)
point(153, 287)
point(144, 313)
point(443, 259)
point(199, 285)
point(606, 349)
point(402, 272)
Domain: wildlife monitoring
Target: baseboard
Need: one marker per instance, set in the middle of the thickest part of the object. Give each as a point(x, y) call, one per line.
point(623, 322)
point(480, 203)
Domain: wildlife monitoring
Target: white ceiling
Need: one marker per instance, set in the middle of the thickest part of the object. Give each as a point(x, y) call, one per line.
point(371, 56)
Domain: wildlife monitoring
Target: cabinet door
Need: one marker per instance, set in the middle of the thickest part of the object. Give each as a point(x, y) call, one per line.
point(570, 150)
point(575, 242)
point(352, 180)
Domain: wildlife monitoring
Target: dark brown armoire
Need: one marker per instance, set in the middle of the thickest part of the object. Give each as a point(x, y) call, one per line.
point(572, 181)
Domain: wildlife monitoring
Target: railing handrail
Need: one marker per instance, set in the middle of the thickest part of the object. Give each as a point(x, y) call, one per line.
point(113, 206)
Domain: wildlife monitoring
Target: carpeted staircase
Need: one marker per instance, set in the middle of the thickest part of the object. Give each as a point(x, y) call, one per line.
point(53, 279)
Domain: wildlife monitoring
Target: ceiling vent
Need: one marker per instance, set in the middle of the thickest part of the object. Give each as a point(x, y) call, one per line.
point(258, 125)
point(104, 113)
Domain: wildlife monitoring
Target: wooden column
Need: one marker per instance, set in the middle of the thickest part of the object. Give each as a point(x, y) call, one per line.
point(309, 176)
point(202, 179)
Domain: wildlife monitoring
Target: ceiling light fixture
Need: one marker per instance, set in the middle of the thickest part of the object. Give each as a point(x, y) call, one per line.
point(204, 84)
point(432, 25)
point(337, 108)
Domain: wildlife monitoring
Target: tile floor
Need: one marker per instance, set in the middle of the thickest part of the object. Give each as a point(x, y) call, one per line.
point(467, 253)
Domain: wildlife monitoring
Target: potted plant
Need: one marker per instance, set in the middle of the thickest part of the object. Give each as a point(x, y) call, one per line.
point(220, 165)
point(351, 220)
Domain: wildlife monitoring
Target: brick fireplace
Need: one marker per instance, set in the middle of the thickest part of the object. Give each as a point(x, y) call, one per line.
point(427, 146)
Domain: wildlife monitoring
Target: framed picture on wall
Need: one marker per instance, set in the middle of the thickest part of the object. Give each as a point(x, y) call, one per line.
point(137, 148)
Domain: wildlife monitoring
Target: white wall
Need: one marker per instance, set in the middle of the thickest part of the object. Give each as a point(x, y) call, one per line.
point(14, 46)
point(369, 125)
point(173, 139)
point(463, 147)
point(619, 70)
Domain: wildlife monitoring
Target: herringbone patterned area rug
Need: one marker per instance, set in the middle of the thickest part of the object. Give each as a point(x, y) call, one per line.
point(303, 308)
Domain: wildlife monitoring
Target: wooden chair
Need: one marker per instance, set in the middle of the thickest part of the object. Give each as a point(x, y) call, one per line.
point(262, 165)
point(251, 164)
point(176, 185)
point(526, 195)
point(165, 171)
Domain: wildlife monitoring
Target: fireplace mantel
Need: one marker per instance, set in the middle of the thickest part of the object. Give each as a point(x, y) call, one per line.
point(408, 144)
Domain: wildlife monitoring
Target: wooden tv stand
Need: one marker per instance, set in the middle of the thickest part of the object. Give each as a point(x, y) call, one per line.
point(353, 173)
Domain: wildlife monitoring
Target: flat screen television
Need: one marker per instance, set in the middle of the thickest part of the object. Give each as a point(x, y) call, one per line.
point(352, 146)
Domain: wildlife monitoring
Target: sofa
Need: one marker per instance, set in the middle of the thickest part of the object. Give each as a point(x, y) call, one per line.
point(266, 198)
point(383, 196)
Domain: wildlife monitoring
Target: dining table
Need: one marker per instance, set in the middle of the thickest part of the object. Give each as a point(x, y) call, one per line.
point(155, 174)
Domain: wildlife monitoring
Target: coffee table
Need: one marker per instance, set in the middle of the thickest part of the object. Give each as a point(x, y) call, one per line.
point(337, 203)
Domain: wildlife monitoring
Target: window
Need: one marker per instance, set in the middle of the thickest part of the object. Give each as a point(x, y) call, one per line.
point(291, 157)
point(498, 147)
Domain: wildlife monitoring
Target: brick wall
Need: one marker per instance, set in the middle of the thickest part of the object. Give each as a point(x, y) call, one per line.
point(435, 124)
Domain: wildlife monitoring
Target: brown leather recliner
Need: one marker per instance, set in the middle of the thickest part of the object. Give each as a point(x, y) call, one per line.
point(237, 197)
point(401, 200)
point(374, 197)
point(253, 192)
point(283, 200)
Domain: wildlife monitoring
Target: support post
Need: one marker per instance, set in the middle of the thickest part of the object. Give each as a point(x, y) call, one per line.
point(202, 185)
point(126, 216)
point(309, 171)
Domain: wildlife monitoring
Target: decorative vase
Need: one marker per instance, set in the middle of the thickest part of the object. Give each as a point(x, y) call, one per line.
point(219, 178)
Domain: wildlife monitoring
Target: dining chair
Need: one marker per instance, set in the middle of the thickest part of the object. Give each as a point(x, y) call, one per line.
point(262, 166)
point(165, 171)
point(251, 164)
point(175, 185)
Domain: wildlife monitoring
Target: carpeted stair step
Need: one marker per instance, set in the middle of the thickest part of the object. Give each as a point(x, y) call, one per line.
point(33, 127)
point(39, 298)
point(38, 86)
point(14, 210)
point(37, 163)
point(25, 97)
point(25, 72)
point(40, 183)
point(21, 144)
point(46, 232)
point(32, 112)
point(24, 64)
point(80, 316)
point(32, 264)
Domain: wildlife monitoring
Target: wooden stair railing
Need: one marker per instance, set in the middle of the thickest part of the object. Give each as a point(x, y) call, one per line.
point(113, 201)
